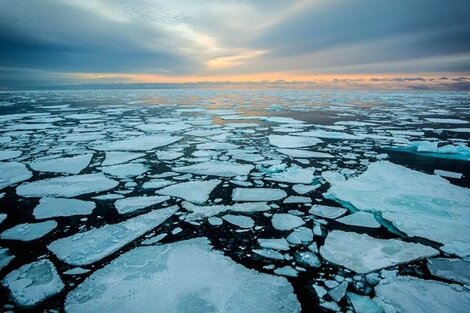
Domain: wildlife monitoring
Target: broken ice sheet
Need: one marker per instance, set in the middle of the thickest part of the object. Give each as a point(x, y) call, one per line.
point(362, 253)
point(417, 204)
point(94, 244)
point(69, 165)
point(132, 204)
point(239, 220)
point(33, 283)
point(216, 168)
point(194, 191)
point(258, 194)
point(186, 276)
point(12, 173)
point(142, 143)
point(198, 212)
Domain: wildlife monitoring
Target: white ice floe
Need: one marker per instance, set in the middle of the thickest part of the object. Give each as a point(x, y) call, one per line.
point(70, 165)
point(12, 173)
point(410, 294)
point(97, 243)
point(298, 153)
point(363, 304)
point(9, 154)
point(215, 221)
point(168, 155)
point(301, 235)
point(125, 170)
point(258, 194)
point(319, 133)
point(303, 189)
point(28, 231)
point(297, 199)
point(293, 175)
point(3, 217)
point(361, 219)
point(53, 207)
point(447, 121)
point(116, 157)
point(307, 258)
point(216, 146)
point(417, 204)
point(239, 220)
point(165, 127)
point(193, 191)
point(157, 183)
point(132, 204)
point(431, 148)
point(141, 143)
point(69, 186)
point(186, 276)
point(5, 257)
point(276, 244)
point(448, 174)
point(216, 168)
point(198, 212)
point(286, 271)
point(287, 141)
point(327, 211)
point(33, 283)
point(362, 253)
point(283, 221)
point(451, 269)
point(268, 253)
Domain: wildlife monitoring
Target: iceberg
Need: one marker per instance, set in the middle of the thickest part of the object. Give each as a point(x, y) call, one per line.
point(186, 276)
point(97, 243)
point(362, 253)
point(69, 186)
point(417, 204)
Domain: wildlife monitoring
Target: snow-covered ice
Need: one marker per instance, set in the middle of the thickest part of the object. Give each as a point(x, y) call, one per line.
point(362, 253)
point(186, 276)
point(92, 245)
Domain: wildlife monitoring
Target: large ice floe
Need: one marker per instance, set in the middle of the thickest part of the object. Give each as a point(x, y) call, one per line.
point(362, 253)
point(142, 143)
point(199, 212)
point(193, 191)
point(186, 276)
point(33, 283)
point(410, 294)
point(54, 207)
point(415, 203)
point(70, 165)
point(68, 186)
point(258, 194)
point(287, 141)
point(97, 243)
point(131, 204)
point(28, 231)
point(12, 173)
point(216, 168)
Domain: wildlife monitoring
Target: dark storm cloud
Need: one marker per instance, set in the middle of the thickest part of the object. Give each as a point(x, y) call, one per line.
point(56, 36)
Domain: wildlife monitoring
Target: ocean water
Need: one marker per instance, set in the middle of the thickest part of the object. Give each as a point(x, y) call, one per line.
point(163, 136)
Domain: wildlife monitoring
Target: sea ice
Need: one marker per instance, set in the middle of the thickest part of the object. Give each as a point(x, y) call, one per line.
point(287, 141)
point(69, 186)
point(216, 168)
point(125, 170)
point(70, 165)
point(28, 231)
point(258, 194)
point(362, 253)
point(293, 175)
point(132, 204)
point(33, 283)
point(12, 173)
point(198, 212)
point(268, 253)
point(116, 157)
point(94, 244)
point(327, 211)
point(193, 191)
point(301, 235)
point(9, 154)
point(418, 204)
point(451, 269)
point(410, 294)
point(361, 219)
point(186, 276)
point(363, 304)
point(319, 133)
point(297, 153)
point(283, 221)
point(276, 244)
point(239, 220)
point(53, 207)
point(5, 257)
point(141, 143)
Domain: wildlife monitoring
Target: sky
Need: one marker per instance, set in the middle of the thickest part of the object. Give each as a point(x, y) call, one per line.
point(310, 42)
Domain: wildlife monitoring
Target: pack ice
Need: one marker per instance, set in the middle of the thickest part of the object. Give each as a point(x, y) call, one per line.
point(186, 276)
point(417, 204)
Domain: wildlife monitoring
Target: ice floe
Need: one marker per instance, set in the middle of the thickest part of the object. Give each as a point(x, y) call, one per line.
point(193, 191)
point(198, 212)
point(142, 143)
point(28, 231)
point(54, 207)
point(116, 157)
point(33, 283)
point(12, 173)
point(185, 276)
point(361, 219)
point(239, 220)
point(258, 194)
point(69, 186)
point(287, 141)
point(362, 253)
point(132, 204)
point(283, 221)
point(456, 270)
point(70, 165)
point(327, 211)
point(417, 204)
point(92, 245)
point(216, 168)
